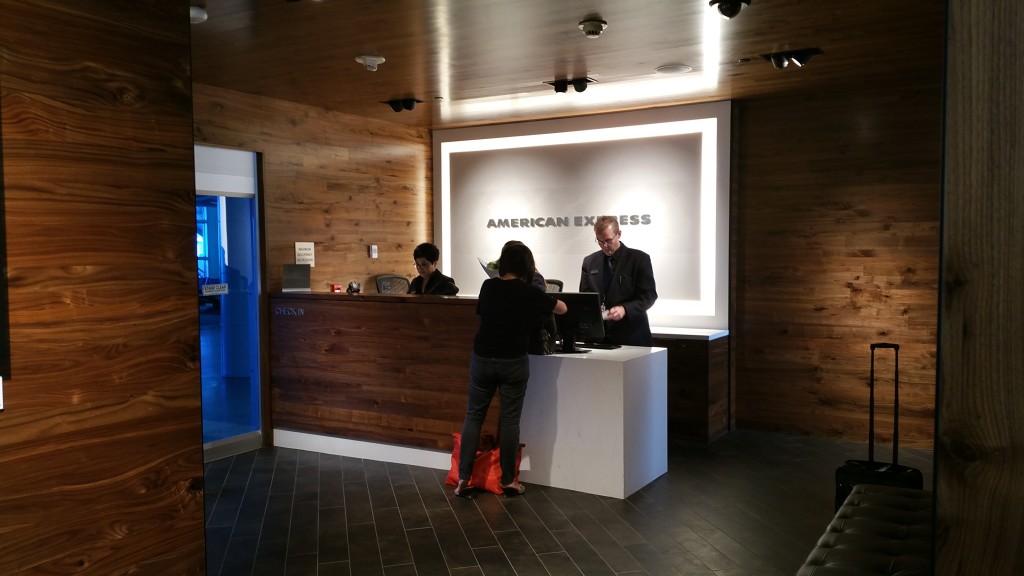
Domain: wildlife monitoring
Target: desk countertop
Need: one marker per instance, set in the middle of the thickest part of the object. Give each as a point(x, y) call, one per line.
point(688, 333)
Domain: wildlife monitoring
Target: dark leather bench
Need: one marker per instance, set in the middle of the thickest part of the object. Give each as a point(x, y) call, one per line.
point(877, 530)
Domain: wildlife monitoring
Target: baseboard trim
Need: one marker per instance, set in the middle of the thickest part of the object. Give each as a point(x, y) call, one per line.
point(359, 449)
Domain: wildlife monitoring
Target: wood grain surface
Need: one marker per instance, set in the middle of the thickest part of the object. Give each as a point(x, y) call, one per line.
point(699, 396)
point(980, 444)
point(339, 181)
point(488, 62)
point(835, 238)
point(391, 369)
point(101, 433)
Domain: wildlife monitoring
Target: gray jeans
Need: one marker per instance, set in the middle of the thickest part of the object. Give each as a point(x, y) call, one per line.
point(508, 377)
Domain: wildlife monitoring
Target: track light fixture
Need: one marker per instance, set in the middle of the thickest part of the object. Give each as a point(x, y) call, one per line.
point(561, 86)
point(797, 58)
point(729, 8)
point(400, 104)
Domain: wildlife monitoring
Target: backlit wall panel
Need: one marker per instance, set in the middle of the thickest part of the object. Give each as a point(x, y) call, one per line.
point(663, 173)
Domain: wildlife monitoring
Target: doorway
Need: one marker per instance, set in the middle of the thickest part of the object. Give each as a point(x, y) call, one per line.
point(228, 305)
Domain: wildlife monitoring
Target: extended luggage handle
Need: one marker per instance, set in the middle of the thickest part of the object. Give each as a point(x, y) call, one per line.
point(895, 404)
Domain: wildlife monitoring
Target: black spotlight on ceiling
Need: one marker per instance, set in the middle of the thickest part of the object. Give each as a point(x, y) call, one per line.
point(797, 58)
point(801, 57)
point(400, 104)
point(578, 84)
point(729, 8)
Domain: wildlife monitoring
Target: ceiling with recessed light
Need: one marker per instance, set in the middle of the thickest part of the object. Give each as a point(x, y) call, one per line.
point(470, 62)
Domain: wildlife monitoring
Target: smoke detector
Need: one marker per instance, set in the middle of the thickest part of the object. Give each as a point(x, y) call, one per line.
point(370, 61)
point(593, 28)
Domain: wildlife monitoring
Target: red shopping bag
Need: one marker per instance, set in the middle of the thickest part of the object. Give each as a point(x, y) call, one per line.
point(486, 465)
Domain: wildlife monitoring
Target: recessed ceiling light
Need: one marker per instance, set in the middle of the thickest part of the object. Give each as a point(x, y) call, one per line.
point(673, 69)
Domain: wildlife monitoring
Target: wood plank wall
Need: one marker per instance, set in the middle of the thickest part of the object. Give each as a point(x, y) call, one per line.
point(835, 240)
point(101, 433)
point(339, 181)
point(980, 446)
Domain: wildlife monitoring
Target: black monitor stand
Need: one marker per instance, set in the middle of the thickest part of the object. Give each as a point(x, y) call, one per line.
point(569, 346)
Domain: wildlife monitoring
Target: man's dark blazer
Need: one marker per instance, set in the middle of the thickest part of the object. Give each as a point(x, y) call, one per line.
point(632, 287)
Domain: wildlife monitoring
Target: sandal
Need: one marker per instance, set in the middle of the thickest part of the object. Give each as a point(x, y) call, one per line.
point(513, 489)
point(462, 490)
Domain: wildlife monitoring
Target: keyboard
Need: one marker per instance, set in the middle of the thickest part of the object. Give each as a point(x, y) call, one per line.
point(598, 345)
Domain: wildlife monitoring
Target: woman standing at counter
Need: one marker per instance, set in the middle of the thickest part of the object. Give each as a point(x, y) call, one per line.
point(430, 280)
point(508, 307)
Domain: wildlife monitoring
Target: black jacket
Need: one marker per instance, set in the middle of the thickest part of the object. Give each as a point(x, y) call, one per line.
point(438, 285)
point(632, 287)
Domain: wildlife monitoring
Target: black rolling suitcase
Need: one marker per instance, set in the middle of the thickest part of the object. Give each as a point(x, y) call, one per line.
point(869, 471)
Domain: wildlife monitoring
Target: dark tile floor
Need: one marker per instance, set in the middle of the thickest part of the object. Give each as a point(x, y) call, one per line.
point(749, 504)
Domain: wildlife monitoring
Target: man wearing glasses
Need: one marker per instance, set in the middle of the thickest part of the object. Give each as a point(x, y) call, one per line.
point(624, 278)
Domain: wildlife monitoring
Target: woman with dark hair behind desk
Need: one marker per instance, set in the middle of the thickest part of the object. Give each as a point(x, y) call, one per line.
point(430, 280)
point(508, 306)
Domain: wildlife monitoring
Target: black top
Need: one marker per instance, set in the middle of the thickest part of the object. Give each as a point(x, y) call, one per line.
point(508, 311)
point(438, 285)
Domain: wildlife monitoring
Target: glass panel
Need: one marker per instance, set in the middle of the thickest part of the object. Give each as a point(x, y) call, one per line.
point(229, 334)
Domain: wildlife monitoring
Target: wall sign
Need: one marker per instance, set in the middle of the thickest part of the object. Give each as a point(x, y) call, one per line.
point(664, 174)
point(304, 254)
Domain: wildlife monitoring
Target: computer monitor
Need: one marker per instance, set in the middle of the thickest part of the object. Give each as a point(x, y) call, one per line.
point(582, 322)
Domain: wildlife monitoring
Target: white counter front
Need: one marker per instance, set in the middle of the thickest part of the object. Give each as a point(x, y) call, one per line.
point(596, 422)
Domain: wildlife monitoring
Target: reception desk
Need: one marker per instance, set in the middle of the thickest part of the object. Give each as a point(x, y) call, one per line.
point(384, 377)
point(596, 422)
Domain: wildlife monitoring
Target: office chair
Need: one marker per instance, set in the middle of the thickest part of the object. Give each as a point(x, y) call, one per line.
point(392, 284)
point(553, 285)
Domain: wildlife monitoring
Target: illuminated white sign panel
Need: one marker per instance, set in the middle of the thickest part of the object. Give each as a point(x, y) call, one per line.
point(663, 173)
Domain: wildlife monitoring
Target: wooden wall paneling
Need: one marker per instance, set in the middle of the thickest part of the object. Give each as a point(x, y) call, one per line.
point(698, 395)
point(980, 444)
point(391, 369)
point(5, 333)
point(101, 436)
point(340, 181)
point(836, 245)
